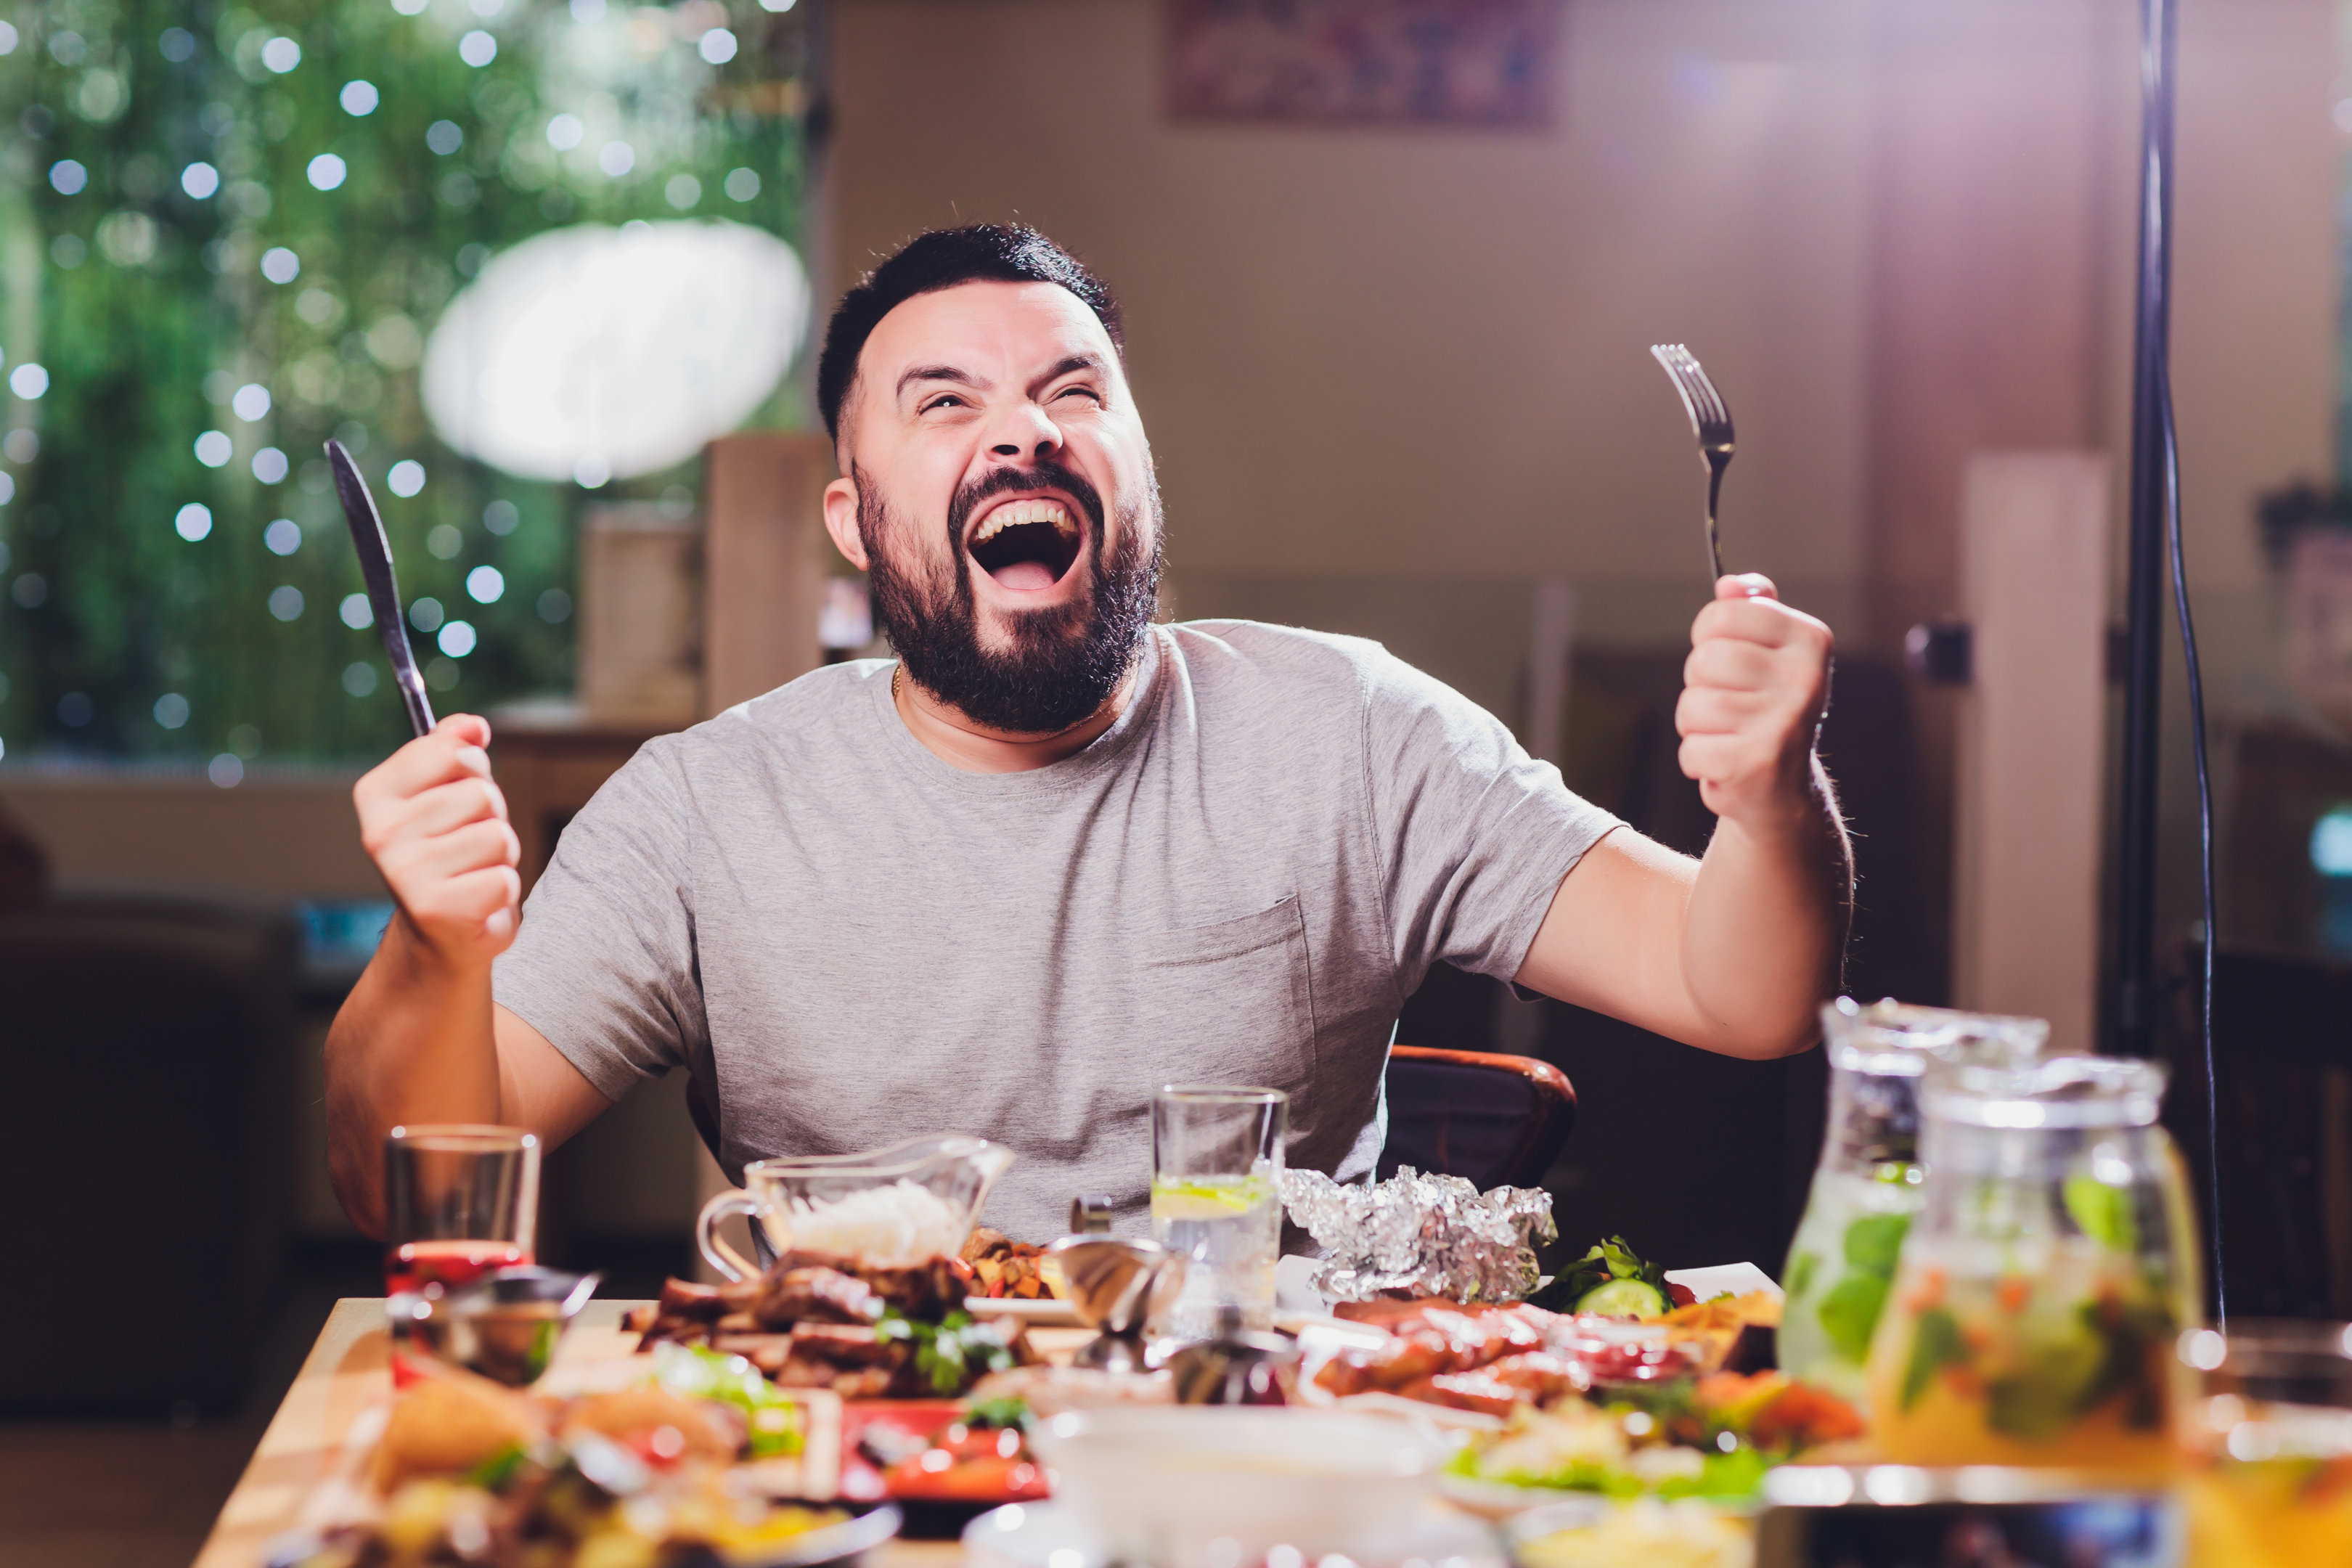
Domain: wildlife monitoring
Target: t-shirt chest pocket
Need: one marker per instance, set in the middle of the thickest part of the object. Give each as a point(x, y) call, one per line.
point(1229, 1002)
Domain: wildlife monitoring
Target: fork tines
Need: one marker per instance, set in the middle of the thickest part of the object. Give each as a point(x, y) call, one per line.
point(1710, 419)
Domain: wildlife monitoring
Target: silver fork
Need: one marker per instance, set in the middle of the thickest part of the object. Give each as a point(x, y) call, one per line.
point(1710, 421)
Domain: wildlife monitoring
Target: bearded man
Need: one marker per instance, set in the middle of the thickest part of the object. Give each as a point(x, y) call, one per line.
point(1052, 855)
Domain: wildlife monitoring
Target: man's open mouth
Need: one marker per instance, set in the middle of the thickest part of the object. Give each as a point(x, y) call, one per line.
point(1028, 545)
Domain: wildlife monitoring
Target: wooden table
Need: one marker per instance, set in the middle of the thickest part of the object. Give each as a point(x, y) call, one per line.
point(349, 1369)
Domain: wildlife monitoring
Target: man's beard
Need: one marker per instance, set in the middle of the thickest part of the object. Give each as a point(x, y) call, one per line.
point(1063, 662)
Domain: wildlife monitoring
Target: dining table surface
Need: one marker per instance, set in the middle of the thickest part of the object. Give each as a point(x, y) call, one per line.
point(350, 1368)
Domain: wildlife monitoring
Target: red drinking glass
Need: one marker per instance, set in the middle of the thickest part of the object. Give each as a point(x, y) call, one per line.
point(459, 1201)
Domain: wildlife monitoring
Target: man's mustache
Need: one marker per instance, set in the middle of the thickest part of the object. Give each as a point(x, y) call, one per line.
point(1046, 473)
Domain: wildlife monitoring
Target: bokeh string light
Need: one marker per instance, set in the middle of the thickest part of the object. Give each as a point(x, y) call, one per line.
point(280, 216)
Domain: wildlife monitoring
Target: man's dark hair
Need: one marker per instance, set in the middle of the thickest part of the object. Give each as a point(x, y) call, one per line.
point(941, 259)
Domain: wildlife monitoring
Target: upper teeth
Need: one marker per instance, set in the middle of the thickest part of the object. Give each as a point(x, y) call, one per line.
point(1013, 513)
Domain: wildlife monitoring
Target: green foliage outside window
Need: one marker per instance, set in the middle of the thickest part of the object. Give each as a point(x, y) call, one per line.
point(198, 200)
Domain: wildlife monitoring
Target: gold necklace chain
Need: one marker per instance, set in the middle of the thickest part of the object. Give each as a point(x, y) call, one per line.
point(895, 670)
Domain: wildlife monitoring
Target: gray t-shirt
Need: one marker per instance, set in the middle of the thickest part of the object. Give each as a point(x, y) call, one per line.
point(849, 941)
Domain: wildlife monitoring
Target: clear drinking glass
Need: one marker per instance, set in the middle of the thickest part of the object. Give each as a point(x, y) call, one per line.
point(1867, 1188)
point(1216, 1197)
point(459, 1201)
point(2039, 1290)
point(2268, 1445)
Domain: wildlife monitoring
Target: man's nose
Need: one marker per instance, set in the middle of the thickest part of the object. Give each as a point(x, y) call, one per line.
point(1023, 430)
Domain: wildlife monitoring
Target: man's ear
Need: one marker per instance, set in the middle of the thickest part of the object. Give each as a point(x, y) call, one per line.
point(841, 521)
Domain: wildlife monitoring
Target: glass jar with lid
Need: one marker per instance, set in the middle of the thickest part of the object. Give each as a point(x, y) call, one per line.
point(2051, 1265)
point(1866, 1188)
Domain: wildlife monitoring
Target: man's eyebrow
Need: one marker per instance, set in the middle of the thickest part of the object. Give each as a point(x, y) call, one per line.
point(1075, 362)
point(938, 373)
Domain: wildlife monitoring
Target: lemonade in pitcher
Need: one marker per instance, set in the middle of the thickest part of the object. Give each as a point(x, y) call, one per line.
point(2057, 1355)
point(1841, 1265)
point(2037, 1298)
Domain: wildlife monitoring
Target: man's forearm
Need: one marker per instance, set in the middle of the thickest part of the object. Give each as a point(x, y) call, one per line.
point(1764, 935)
point(413, 1043)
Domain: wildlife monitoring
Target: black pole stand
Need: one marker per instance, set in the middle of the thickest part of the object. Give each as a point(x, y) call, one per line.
point(2133, 1014)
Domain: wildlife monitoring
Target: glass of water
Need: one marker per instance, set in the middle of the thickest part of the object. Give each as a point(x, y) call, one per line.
point(1216, 1197)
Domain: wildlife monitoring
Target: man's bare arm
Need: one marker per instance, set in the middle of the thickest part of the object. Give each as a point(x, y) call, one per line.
point(1735, 952)
point(419, 1039)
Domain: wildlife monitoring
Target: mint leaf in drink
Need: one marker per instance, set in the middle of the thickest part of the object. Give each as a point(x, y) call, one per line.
point(1936, 1343)
point(2060, 1379)
point(1849, 1314)
point(2101, 1212)
point(1874, 1241)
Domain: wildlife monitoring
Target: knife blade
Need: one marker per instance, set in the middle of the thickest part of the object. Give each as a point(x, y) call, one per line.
point(383, 591)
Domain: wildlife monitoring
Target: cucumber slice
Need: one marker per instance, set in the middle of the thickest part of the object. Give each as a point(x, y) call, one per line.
point(1623, 1299)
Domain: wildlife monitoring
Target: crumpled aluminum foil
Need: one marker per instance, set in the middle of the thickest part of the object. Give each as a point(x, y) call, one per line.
point(1421, 1235)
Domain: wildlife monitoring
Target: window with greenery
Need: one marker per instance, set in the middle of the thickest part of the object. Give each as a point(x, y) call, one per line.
point(225, 235)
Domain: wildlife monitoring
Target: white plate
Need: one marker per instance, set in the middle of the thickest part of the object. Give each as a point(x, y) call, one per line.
point(1444, 1417)
point(1499, 1501)
point(1042, 1313)
point(1295, 1294)
point(1048, 1535)
point(1723, 1278)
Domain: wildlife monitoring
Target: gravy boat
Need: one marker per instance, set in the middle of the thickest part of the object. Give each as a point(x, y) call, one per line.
point(891, 1208)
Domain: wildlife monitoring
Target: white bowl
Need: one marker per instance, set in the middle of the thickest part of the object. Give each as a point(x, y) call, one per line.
point(1208, 1486)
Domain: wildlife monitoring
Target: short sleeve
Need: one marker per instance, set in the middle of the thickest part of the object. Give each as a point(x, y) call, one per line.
point(605, 962)
point(1476, 835)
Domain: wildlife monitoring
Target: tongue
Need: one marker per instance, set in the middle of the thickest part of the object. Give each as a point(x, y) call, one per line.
point(1026, 575)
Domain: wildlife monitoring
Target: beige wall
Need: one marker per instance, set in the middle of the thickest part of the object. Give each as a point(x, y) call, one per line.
point(1394, 377)
point(1372, 353)
point(2256, 348)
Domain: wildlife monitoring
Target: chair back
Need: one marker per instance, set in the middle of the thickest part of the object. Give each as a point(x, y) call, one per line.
point(2283, 1057)
point(149, 1084)
point(1493, 1119)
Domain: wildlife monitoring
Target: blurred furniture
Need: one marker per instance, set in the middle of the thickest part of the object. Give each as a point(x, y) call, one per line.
point(640, 629)
point(765, 553)
point(1622, 755)
point(1697, 1158)
point(547, 763)
point(2284, 781)
point(1492, 1120)
point(2282, 1068)
point(146, 1147)
point(2033, 755)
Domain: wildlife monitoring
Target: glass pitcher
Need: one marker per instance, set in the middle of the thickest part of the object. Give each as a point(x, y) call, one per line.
point(1866, 1187)
point(893, 1208)
point(2053, 1264)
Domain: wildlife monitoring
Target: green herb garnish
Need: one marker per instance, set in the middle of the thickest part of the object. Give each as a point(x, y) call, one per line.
point(1936, 1343)
point(493, 1473)
point(1610, 1260)
point(2101, 1212)
point(772, 1419)
point(1009, 1411)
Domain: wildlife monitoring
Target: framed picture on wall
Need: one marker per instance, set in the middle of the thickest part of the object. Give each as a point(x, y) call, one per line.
point(1474, 63)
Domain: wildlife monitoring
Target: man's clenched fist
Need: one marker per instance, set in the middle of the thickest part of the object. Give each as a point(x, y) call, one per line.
point(1753, 692)
point(436, 825)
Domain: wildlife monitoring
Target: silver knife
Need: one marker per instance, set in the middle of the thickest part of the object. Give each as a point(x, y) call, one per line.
point(383, 594)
